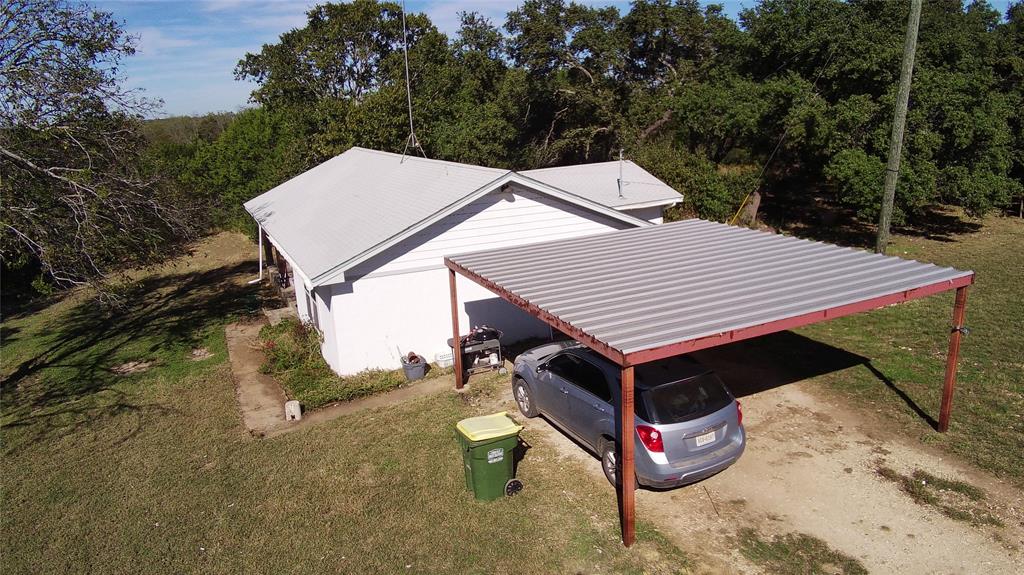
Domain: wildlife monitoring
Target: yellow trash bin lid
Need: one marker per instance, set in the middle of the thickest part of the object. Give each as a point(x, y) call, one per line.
point(488, 426)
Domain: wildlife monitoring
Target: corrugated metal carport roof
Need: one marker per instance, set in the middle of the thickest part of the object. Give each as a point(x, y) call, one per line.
point(644, 294)
point(641, 294)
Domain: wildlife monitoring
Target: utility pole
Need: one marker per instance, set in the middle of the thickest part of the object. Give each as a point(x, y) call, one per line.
point(892, 168)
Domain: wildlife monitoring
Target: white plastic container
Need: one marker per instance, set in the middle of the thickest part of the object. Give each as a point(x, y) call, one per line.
point(292, 410)
point(444, 360)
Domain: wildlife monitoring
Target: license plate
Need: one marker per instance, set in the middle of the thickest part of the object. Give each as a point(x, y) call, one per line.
point(705, 439)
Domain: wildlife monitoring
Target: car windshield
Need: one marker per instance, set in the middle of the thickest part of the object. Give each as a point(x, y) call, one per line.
point(686, 400)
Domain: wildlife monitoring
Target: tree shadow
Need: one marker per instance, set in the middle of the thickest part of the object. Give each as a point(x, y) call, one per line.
point(818, 216)
point(7, 334)
point(164, 317)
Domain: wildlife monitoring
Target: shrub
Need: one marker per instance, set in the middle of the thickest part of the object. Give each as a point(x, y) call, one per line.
point(293, 357)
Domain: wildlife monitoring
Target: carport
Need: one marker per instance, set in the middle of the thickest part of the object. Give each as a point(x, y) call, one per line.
point(644, 294)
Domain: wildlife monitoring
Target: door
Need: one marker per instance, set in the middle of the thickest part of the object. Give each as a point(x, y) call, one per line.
point(553, 390)
point(590, 409)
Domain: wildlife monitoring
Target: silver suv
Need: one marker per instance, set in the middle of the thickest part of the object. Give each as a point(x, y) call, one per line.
point(688, 425)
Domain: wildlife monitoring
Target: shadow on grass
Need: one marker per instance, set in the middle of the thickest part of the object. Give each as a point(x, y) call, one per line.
point(820, 218)
point(70, 380)
point(771, 361)
point(518, 454)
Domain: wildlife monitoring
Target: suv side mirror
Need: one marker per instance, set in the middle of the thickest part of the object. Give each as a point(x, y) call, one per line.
point(542, 368)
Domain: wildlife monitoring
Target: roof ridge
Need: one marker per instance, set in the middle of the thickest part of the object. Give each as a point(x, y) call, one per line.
point(580, 165)
point(425, 160)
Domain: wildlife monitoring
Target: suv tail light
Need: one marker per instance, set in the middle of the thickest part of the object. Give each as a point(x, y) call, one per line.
point(739, 412)
point(651, 438)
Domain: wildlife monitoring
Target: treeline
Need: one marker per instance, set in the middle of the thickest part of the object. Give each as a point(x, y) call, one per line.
point(803, 88)
point(794, 100)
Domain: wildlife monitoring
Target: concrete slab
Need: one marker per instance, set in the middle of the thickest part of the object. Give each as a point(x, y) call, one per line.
point(260, 398)
point(274, 316)
point(395, 397)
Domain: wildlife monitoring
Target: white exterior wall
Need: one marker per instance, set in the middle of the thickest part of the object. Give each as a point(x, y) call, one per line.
point(301, 301)
point(400, 301)
point(319, 299)
point(655, 214)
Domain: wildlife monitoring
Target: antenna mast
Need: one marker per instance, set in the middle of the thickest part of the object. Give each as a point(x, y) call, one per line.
point(411, 141)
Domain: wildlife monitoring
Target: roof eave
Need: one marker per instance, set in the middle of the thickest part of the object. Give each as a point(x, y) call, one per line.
point(651, 204)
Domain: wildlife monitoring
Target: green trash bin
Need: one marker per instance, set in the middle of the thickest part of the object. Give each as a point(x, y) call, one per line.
point(488, 443)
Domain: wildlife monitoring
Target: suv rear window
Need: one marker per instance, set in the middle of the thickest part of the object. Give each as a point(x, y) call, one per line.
point(686, 400)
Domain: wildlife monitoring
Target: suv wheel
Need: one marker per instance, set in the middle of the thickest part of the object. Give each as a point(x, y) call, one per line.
point(610, 462)
point(524, 400)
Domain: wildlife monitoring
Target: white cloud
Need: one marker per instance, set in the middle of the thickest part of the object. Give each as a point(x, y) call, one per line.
point(153, 42)
point(279, 20)
point(222, 5)
point(445, 13)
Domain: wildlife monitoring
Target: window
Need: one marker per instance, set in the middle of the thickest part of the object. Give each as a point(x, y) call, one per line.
point(687, 400)
point(582, 374)
point(563, 366)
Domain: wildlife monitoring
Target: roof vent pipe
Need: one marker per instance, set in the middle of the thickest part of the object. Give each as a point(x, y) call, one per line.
point(620, 173)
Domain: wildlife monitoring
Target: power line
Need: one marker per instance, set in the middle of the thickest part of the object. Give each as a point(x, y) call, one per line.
point(764, 168)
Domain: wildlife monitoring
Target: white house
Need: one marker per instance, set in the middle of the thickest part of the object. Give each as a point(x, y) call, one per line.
point(365, 234)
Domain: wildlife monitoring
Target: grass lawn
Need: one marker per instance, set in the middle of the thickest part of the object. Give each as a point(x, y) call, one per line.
point(152, 472)
point(906, 345)
point(796, 554)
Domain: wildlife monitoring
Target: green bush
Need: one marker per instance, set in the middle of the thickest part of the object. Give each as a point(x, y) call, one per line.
point(293, 357)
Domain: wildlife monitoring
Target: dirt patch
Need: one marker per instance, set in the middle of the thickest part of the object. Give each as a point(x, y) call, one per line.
point(810, 468)
point(131, 367)
point(199, 354)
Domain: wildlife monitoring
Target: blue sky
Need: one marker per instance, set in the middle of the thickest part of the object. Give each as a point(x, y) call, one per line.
point(188, 50)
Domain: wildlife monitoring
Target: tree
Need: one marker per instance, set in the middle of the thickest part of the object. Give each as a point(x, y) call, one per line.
point(256, 152)
point(75, 202)
point(842, 59)
point(337, 55)
point(571, 56)
point(795, 103)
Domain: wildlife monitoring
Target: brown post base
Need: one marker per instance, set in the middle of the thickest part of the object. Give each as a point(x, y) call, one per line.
point(627, 473)
point(460, 374)
point(959, 310)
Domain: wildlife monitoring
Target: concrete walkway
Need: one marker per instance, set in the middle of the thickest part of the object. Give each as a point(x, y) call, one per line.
point(395, 397)
point(261, 399)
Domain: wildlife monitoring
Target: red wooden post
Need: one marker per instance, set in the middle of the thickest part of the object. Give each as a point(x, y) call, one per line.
point(460, 376)
point(959, 308)
point(627, 473)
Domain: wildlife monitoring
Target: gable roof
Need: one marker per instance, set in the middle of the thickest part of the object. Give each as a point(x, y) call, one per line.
point(639, 189)
point(361, 202)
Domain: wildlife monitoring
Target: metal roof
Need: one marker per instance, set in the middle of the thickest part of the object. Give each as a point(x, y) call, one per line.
point(640, 294)
point(599, 182)
point(357, 199)
point(358, 203)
